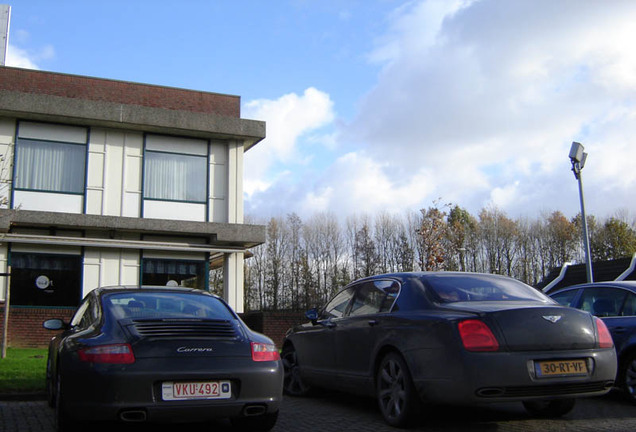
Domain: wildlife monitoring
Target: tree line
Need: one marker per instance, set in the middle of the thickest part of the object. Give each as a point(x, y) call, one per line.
point(304, 263)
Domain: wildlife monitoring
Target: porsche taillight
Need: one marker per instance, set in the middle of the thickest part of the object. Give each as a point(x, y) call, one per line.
point(114, 354)
point(477, 336)
point(604, 337)
point(264, 352)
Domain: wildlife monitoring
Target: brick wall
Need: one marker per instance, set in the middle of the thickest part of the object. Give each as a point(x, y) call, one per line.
point(25, 325)
point(97, 89)
point(273, 324)
point(26, 331)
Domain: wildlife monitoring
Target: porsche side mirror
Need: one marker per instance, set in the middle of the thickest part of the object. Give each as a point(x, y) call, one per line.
point(54, 324)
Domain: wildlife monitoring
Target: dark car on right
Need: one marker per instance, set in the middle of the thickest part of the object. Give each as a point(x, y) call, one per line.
point(615, 303)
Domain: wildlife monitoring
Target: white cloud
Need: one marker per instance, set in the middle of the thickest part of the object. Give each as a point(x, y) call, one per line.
point(17, 57)
point(288, 118)
point(27, 59)
point(477, 102)
point(495, 91)
point(356, 183)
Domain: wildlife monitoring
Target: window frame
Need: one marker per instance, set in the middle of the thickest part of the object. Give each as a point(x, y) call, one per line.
point(205, 158)
point(65, 289)
point(201, 265)
point(573, 300)
point(330, 306)
point(608, 294)
point(80, 188)
point(378, 287)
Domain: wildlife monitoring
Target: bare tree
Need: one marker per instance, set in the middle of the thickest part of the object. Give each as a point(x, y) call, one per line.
point(303, 264)
point(296, 254)
point(498, 234)
point(366, 252)
point(276, 246)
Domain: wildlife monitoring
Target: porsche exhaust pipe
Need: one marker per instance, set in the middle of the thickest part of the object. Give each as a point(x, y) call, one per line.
point(133, 416)
point(254, 410)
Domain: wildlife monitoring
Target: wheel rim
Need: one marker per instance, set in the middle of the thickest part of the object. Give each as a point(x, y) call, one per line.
point(293, 384)
point(392, 389)
point(630, 378)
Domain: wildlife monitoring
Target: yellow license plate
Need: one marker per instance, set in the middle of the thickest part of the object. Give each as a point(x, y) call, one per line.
point(561, 368)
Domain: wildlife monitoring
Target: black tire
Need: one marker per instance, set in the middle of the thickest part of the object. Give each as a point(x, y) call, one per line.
point(627, 376)
point(63, 421)
point(397, 398)
point(549, 408)
point(261, 423)
point(293, 384)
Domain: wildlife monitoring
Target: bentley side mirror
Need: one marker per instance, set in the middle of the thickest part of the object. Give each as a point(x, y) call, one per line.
point(312, 315)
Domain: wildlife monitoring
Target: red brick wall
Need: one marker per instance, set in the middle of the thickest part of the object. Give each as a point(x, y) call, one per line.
point(26, 331)
point(80, 87)
point(25, 325)
point(273, 324)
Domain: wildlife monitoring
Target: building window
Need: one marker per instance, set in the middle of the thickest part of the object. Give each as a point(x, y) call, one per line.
point(175, 177)
point(50, 158)
point(169, 272)
point(45, 279)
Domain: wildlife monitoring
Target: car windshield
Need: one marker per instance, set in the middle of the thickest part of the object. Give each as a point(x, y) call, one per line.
point(451, 288)
point(153, 304)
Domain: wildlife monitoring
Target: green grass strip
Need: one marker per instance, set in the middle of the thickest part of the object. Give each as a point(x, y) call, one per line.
point(23, 370)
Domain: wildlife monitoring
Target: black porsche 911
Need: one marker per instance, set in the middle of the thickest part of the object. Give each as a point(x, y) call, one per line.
point(412, 339)
point(157, 354)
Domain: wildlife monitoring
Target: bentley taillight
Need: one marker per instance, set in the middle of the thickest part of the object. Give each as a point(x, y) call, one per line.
point(477, 336)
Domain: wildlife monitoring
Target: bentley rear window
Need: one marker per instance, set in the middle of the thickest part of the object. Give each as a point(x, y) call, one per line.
point(454, 288)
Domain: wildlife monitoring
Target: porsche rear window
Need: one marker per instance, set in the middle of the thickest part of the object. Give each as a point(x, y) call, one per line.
point(166, 305)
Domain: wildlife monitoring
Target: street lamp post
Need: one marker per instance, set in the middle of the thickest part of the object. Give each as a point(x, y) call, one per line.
point(578, 157)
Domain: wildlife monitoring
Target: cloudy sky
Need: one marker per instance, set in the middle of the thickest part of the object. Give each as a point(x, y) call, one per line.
point(382, 105)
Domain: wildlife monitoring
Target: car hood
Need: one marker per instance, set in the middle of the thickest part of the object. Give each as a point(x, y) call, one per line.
point(532, 327)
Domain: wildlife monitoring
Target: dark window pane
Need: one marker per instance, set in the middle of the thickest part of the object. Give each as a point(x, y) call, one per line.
point(337, 307)
point(160, 305)
point(45, 280)
point(566, 298)
point(174, 272)
point(603, 302)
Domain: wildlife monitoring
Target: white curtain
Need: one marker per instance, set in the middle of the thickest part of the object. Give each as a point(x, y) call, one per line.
point(175, 177)
point(50, 166)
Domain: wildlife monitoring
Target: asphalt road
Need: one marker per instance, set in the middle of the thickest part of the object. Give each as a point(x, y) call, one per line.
point(330, 411)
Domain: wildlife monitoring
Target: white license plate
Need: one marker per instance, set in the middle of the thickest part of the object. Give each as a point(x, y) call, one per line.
point(196, 390)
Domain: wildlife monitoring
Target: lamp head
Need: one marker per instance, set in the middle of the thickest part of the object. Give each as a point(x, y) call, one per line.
point(577, 154)
point(583, 158)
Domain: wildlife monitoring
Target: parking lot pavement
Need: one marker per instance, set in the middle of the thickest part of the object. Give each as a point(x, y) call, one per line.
point(338, 412)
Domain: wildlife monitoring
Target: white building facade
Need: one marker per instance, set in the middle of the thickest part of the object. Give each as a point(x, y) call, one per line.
point(116, 183)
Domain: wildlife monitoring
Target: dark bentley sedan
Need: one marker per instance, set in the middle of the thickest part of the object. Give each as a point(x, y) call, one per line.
point(615, 303)
point(161, 354)
point(457, 338)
